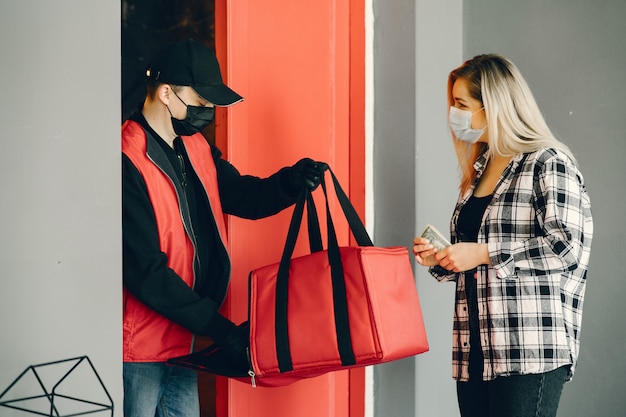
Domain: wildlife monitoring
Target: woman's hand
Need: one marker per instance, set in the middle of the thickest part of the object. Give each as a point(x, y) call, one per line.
point(462, 256)
point(423, 251)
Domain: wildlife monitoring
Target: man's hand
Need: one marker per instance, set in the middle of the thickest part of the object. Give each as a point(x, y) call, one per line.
point(307, 173)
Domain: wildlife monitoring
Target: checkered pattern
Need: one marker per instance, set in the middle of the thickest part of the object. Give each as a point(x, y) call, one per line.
point(538, 228)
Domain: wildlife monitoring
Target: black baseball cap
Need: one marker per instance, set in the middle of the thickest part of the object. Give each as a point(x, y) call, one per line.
point(189, 63)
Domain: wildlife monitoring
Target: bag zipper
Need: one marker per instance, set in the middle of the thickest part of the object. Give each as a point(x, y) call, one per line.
point(250, 371)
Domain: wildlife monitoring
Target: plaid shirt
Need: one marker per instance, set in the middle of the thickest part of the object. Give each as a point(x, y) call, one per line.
point(538, 228)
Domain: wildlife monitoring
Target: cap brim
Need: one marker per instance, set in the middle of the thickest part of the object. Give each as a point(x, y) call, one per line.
point(219, 94)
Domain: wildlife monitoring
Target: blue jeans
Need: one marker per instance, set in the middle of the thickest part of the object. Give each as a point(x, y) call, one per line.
point(159, 390)
point(513, 396)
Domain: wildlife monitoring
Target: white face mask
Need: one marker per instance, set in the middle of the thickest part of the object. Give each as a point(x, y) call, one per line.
point(460, 122)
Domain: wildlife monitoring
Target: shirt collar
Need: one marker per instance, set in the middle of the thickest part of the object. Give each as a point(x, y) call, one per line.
point(481, 162)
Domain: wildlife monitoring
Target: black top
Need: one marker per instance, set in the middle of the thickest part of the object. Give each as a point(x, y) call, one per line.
point(145, 271)
point(468, 225)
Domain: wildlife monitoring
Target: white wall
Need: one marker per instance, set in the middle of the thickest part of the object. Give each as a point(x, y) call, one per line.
point(60, 222)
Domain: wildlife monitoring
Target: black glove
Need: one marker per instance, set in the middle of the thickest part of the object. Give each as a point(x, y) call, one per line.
point(235, 347)
point(232, 340)
point(307, 173)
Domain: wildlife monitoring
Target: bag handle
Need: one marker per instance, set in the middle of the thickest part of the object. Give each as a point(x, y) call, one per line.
point(315, 235)
point(342, 326)
point(354, 222)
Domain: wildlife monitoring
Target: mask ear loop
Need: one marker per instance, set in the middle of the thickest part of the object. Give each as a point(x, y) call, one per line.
point(181, 100)
point(482, 108)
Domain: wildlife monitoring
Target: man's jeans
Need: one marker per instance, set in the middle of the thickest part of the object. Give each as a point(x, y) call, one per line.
point(159, 390)
point(513, 396)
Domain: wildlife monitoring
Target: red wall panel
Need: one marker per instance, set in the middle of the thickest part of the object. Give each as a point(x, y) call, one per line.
point(299, 66)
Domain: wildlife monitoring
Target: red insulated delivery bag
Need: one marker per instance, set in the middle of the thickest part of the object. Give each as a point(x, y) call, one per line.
point(333, 309)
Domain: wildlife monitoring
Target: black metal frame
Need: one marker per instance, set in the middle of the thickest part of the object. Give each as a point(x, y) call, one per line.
point(54, 412)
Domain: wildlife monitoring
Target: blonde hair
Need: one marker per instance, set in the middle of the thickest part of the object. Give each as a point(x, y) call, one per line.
point(514, 122)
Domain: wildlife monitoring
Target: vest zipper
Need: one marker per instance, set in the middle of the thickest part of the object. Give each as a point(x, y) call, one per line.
point(192, 233)
point(184, 173)
point(186, 224)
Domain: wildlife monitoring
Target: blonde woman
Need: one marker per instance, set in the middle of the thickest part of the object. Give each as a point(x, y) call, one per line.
point(521, 237)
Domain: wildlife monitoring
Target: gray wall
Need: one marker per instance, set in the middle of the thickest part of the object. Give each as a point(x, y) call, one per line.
point(439, 50)
point(414, 174)
point(572, 54)
point(59, 118)
point(60, 291)
point(394, 86)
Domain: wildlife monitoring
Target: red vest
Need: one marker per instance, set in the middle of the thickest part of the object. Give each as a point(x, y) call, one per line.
point(148, 336)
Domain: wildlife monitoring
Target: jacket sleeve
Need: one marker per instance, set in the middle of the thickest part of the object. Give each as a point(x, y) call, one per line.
point(146, 274)
point(252, 197)
point(560, 206)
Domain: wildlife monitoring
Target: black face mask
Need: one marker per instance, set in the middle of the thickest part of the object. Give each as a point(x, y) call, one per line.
point(198, 117)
